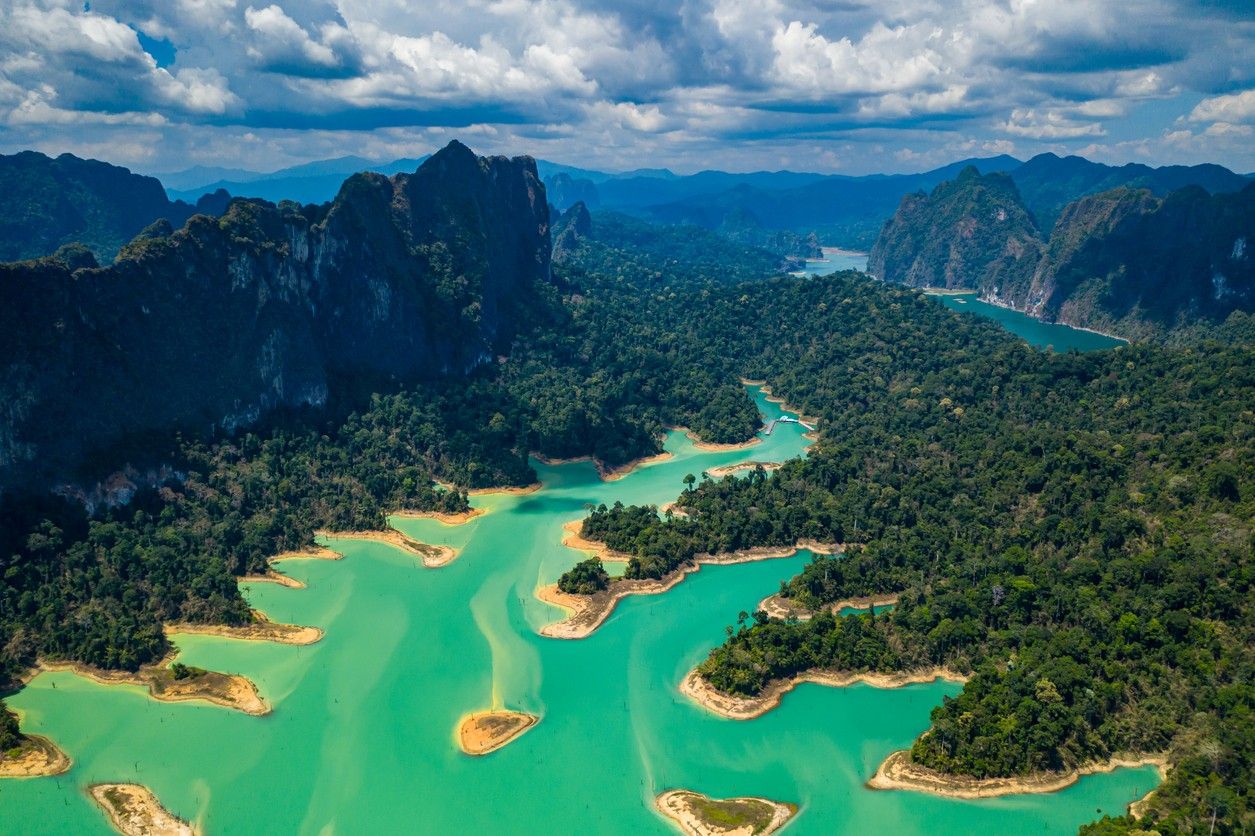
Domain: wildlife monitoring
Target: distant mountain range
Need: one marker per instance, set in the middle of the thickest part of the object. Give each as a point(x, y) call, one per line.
point(1128, 259)
point(840, 209)
point(316, 182)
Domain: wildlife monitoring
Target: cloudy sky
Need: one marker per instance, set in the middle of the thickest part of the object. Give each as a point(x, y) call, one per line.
point(828, 85)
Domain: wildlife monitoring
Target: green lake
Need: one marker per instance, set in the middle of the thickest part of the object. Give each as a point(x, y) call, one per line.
point(1033, 331)
point(362, 735)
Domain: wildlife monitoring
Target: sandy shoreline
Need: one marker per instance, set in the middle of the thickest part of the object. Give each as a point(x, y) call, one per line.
point(133, 810)
point(948, 291)
point(460, 518)
point(37, 757)
point(747, 708)
point(227, 690)
point(312, 553)
point(487, 731)
point(898, 772)
point(262, 629)
point(715, 447)
point(433, 557)
point(730, 469)
point(585, 613)
point(272, 576)
point(682, 806)
point(785, 608)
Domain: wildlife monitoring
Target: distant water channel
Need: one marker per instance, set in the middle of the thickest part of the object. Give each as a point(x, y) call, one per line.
point(834, 260)
point(362, 735)
point(1034, 331)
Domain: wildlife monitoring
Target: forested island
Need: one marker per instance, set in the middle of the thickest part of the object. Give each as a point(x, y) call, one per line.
point(1072, 533)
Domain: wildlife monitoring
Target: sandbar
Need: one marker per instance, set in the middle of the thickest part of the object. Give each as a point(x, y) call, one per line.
point(261, 629)
point(225, 689)
point(310, 553)
point(271, 576)
point(715, 447)
point(134, 811)
point(899, 772)
point(433, 557)
point(36, 757)
point(488, 731)
point(736, 707)
point(777, 606)
point(729, 469)
point(585, 613)
point(699, 815)
point(460, 518)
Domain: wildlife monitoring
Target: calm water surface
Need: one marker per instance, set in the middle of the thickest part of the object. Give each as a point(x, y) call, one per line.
point(1034, 331)
point(834, 261)
point(362, 735)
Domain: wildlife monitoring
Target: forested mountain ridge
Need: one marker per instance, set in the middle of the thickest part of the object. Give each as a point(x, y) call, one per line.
point(1049, 182)
point(49, 202)
point(1122, 260)
point(396, 281)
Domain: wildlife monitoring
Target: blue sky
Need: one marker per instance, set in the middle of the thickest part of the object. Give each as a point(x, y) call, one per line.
point(828, 85)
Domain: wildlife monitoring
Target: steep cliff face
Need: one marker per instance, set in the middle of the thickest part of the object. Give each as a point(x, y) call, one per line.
point(1160, 265)
point(971, 232)
point(1123, 260)
point(397, 280)
point(50, 202)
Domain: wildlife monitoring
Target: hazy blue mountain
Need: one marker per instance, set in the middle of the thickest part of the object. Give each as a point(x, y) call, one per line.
point(315, 182)
point(1048, 182)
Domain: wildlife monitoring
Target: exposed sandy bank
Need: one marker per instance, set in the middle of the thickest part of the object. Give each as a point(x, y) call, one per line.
point(311, 553)
point(713, 447)
point(134, 811)
point(736, 707)
point(262, 629)
point(272, 576)
point(36, 757)
point(225, 689)
point(786, 608)
point(460, 518)
point(898, 772)
point(488, 731)
point(433, 557)
point(587, 612)
point(699, 815)
point(730, 469)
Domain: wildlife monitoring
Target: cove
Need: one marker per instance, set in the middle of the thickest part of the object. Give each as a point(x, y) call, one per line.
point(1033, 331)
point(362, 736)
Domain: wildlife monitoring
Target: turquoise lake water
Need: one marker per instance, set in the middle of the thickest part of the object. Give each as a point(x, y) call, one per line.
point(1034, 331)
point(361, 739)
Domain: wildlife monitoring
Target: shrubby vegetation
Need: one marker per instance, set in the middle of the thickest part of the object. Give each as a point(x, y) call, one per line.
point(10, 737)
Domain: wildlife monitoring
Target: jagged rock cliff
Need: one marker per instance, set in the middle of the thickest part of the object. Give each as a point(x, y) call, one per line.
point(50, 202)
point(1123, 260)
point(397, 280)
point(971, 232)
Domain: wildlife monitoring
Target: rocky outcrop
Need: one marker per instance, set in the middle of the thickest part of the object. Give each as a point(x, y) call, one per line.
point(971, 232)
point(1123, 260)
point(397, 280)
